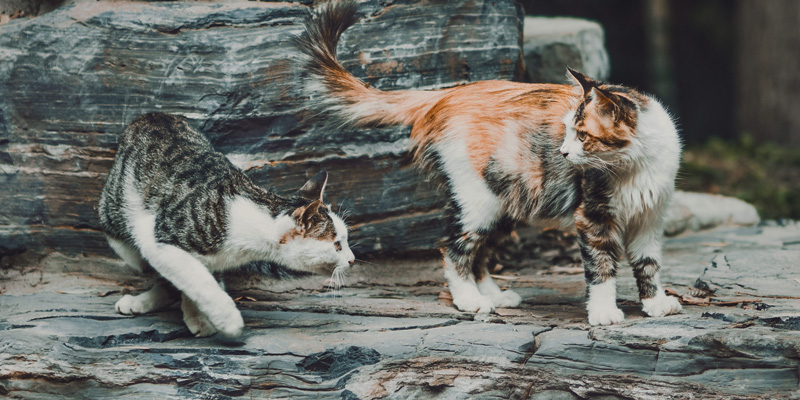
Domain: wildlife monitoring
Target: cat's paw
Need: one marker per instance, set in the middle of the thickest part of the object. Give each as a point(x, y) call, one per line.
point(130, 305)
point(661, 305)
point(475, 303)
point(507, 298)
point(232, 326)
point(199, 325)
point(605, 315)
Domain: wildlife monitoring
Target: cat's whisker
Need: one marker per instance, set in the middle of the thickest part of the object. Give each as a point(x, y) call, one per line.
point(337, 280)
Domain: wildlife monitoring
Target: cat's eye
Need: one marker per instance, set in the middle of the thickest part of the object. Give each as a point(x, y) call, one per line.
point(337, 245)
point(581, 135)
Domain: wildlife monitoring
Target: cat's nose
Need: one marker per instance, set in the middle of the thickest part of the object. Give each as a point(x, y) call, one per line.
point(351, 262)
point(564, 153)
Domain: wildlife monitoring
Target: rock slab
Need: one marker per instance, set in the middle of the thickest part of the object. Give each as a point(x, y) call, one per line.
point(71, 80)
point(386, 336)
point(550, 44)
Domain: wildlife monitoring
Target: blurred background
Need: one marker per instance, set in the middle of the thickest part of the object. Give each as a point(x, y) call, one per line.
point(729, 71)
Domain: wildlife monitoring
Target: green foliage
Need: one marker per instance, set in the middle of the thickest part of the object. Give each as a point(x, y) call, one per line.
point(764, 174)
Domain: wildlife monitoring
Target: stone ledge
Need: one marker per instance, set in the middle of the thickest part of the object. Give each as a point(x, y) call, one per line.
point(387, 336)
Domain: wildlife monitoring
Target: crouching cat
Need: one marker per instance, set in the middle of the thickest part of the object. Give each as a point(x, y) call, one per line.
point(172, 203)
point(602, 155)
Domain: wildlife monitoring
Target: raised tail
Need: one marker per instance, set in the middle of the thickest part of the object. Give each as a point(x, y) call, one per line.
point(344, 94)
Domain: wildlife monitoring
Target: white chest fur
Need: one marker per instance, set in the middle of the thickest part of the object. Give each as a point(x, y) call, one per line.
point(646, 182)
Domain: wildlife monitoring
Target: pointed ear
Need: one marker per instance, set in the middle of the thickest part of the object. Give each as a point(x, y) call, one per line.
point(310, 212)
point(315, 187)
point(607, 102)
point(303, 215)
point(586, 83)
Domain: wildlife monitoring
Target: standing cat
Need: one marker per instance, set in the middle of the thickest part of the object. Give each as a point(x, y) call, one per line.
point(505, 152)
point(173, 203)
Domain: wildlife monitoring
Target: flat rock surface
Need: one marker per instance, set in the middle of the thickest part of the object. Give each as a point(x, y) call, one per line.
point(388, 334)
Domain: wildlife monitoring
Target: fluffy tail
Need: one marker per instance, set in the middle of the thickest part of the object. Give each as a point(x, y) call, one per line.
point(346, 95)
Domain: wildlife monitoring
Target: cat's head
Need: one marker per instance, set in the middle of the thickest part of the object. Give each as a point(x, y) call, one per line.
point(318, 240)
point(601, 127)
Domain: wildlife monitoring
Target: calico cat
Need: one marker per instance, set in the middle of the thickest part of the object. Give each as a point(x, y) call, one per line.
point(172, 203)
point(601, 155)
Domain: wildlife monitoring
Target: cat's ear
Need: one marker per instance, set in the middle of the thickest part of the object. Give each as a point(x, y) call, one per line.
point(608, 103)
point(304, 215)
point(315, 187)
point(586, 83)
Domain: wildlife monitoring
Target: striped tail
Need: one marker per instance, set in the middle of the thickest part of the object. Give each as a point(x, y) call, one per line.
point(346, 95)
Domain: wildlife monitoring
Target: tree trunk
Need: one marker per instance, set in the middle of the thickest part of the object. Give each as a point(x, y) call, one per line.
point(768, 64)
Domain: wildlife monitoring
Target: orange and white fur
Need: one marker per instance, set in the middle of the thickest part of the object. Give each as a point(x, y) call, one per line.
point(603, 156)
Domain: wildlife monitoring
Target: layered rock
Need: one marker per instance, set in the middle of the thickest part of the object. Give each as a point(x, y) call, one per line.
point(74, 77)
point(387, 336)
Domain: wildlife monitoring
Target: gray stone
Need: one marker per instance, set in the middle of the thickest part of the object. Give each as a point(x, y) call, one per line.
point(554, 395)
point(387, 336)
point(74, 77)
point(697, 211)
point(551, 44)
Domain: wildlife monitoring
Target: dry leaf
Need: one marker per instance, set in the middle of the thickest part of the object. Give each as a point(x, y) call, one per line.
point(504, 277)
point(566, 270)
point(446, 298)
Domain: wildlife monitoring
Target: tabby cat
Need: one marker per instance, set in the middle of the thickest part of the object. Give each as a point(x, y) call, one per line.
point(172, 203)
point(601, 155)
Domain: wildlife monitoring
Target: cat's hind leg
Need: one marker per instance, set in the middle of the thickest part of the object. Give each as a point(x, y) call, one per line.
point(464, 289)
point(127, 253)
point(161, 295)
point(486, 285)
point(500, 298)
point(466, 269)
point(472, 212)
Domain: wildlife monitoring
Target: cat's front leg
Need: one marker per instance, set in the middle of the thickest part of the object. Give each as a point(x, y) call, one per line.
point(197, 323)
point(198, 284)
point(644, 254)
point(598, 237)
point(189, 276)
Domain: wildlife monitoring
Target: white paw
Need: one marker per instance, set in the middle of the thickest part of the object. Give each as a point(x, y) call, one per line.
point(474, 303)
point(232, 326)
point(199, 325)
point(605, 315)
point(129, 305)
point(661, 305)
point(507, 298)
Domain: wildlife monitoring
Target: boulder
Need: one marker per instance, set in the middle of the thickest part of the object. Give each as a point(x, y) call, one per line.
point(73, 78)
point(551, 44)
point(697, 211)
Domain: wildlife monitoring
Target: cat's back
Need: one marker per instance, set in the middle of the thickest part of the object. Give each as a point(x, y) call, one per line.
point(154, 133)
point(163, 164)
